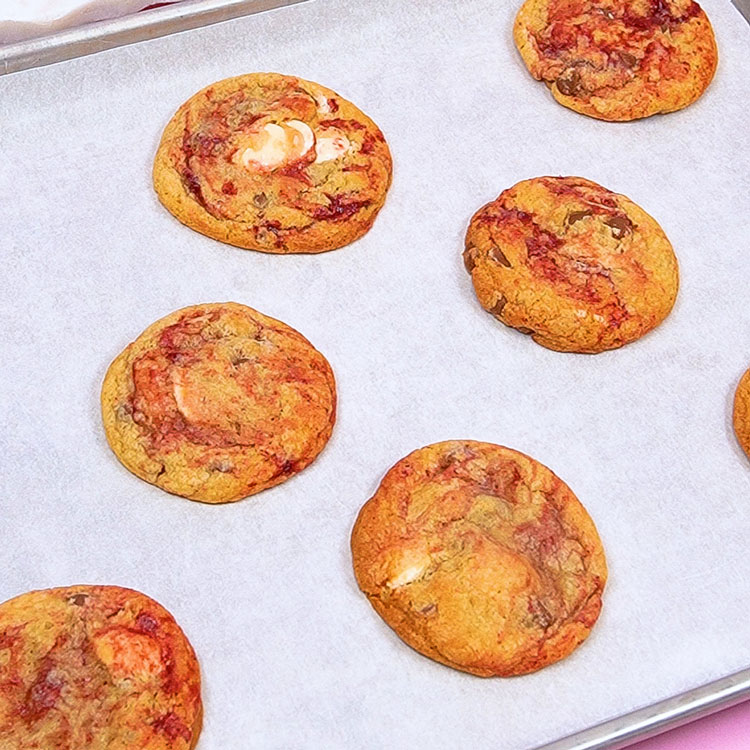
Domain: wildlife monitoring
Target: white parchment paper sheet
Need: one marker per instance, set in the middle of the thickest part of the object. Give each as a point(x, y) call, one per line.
point(292, 654)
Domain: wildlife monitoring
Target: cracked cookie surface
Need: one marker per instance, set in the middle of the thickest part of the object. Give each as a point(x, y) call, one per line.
point(216, 402)
point(741, 415)
point(480, 558)
point(95, 668)
point(273, 163)
point(574, 265)
point(618, 59)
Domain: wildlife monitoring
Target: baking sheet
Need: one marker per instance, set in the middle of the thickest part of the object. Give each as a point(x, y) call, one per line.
point(293, 656)
point(27, 19)
point(103, 35)
point(666, 714)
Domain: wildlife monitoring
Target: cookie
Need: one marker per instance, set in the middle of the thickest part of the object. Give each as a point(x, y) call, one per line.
point(480, 558)
point(95, 668)
point(576, 266)
point(618, 59)
point(217, 402)
point(273, 163)
point(741, 416)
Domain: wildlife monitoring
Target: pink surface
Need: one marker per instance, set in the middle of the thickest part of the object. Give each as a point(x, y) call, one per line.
point(727, 730)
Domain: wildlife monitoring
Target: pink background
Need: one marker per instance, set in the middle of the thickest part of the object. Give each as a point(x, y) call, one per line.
point(726, 730)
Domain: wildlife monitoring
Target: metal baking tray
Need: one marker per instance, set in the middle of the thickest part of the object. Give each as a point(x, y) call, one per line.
point(614, 733)
point(136, 27)
point(659, 717)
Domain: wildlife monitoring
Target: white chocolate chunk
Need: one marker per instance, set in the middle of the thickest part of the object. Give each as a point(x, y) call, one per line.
point(332, 145)
point(323, 105)
point(268, 151)
point(277, 144)
point(409, 573)
point(181, 395)
point(308, 137)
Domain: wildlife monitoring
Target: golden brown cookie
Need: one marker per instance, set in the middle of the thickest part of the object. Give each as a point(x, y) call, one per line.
point(618, 59)
point(216, 402)
point(576, 266)
point(273, 163)
point(742, 412)
point(480, 558)
point(95, 668)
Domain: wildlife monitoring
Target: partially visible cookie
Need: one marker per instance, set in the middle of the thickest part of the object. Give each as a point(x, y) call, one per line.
point(741, 416)
point(273, 163)
point(618, 59)
point(216, 402)
point(576, 266)
point(480, 558)
point(95, 668)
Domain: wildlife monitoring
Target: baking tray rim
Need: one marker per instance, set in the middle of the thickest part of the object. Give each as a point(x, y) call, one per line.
point(653, 719)
point(613, 734)
point(118, 32)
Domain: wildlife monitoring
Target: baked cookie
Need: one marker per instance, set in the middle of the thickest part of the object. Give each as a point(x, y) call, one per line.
point(95, 668)
point(742, 412)
point(618, 59)
point(273, 163)
point(216, 402)
point(576, 266)
point(480, 558)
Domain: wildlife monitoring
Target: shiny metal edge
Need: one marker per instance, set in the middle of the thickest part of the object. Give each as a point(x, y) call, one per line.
point(659, 717)
point(743, 6)
point(137, 27)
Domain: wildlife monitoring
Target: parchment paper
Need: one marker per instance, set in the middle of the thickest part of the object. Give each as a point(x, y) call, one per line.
point(293, 656)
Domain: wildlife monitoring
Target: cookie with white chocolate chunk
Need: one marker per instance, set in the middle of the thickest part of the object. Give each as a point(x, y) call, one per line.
point(95, 668)
point(216, 402)
point(273, 163)
point(480, 558)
